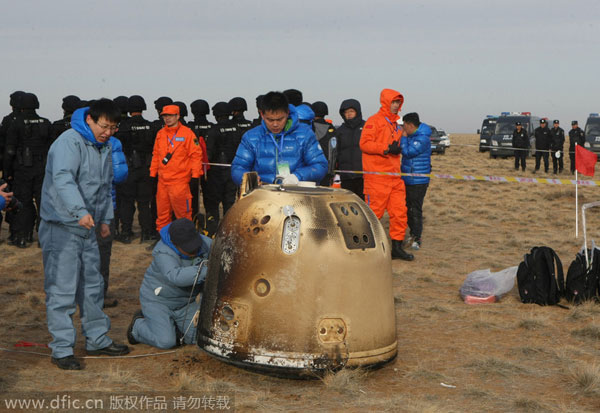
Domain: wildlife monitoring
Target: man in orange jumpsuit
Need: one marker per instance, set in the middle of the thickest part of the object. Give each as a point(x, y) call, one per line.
point(380, 145)
point(176, 160)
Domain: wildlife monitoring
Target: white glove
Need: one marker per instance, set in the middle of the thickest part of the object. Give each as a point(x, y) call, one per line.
point(291, 179)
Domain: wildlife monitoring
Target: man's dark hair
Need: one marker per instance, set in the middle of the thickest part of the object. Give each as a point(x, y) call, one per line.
point(105, 108)
point(275, 102)
point(294, 96)
point(412, 118)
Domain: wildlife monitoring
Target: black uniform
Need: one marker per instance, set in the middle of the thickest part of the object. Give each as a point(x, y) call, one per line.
point(543, 139)
point(4, 126)
point(348, 148)
point(27, 143)
point(222, 142)
point(135, 133)
point(200, 126)
point(576, 136)
point(520, 141)
point(324, 131)
point(558, 141)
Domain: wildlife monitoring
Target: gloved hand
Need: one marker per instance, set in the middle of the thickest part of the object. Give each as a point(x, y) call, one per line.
point(394, 148)
point(195, 182)
point(291, 179)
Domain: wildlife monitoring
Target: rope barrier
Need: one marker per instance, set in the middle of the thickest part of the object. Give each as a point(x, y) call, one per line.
point(488, 178)
point(132, 356)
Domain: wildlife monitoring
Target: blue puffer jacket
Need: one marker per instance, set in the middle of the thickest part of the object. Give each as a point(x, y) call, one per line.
point(120, 170)
point(305, 114)
point(78, 178)
point(416, 155)
point(259, 152)
point(169, 279)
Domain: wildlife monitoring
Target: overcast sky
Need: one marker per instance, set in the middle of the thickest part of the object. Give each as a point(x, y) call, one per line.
point(454, 61)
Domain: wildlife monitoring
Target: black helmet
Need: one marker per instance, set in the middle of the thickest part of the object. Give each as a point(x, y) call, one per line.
point(121, 102)
point(294, 96)
point(136, 103)
point(71, 103)
point(15, 98)
point(259, 100)
point(200, 107)
point(320, 109)
point(29, 101)
point(183, 112)
point(238, 104)
point(221, 109)
point(162, 102)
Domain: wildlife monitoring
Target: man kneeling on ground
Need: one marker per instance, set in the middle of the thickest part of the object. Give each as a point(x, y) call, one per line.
point(170, 286)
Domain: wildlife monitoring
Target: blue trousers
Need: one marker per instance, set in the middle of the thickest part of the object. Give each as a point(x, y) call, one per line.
point(72, 278)
point(157, 328)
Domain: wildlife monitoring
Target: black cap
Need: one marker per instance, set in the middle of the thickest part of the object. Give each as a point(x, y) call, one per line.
point(121, 102)
point(238, 104)
point(518, 124)
point(136, 103)
point(183, 235)
point(555, 122)
point(162, 102)
point(29, 101)
point(542, 120)
point(15, 98)
point(71, 103)
point(574, 122)
point(183, 112)
point(320, 109)
point(294, 96)
point(221, 109)
point(200, 107)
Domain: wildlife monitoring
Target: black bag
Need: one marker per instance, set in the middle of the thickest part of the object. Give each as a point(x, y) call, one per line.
point(582, 279)
point(540, 281)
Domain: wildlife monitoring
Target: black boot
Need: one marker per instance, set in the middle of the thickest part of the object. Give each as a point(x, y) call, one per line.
point(399, 253)
point(130, 338)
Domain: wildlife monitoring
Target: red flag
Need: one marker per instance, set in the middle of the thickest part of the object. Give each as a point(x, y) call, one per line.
point(585, 160)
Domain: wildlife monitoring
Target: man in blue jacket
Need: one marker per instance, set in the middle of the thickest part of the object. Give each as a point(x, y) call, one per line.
point(416, 159)
point(76, 197)
point(170, 287)
point(280, 147)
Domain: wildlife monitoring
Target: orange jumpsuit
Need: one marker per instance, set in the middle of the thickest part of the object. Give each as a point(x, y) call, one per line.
point(173, 192)
point(384, 192)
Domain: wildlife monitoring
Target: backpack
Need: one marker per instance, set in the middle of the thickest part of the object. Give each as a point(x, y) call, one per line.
point(582, 279)
point(539, 280)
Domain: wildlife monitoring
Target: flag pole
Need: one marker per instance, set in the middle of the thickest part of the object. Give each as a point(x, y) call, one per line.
point(576, 197)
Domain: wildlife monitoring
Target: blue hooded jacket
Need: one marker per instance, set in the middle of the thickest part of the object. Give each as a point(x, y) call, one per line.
point(416, 155)
point(305, 114)
point(260, 151)
point(170, 277)
point(78, 178)
point(120, 170)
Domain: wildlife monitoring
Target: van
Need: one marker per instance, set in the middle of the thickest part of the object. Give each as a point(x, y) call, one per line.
point(501, 140)
point(486, 132)
point(592, 133)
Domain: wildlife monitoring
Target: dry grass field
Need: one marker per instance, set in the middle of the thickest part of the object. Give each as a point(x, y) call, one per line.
point(505, 356)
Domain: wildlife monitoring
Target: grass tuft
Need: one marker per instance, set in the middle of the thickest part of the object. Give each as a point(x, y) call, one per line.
point(586, 378)
point(591, 332)
point(345, 380)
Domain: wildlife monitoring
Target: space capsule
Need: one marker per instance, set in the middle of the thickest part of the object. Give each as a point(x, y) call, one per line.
point(299, 282)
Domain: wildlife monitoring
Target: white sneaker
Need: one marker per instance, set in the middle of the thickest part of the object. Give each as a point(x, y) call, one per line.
point(416, 245)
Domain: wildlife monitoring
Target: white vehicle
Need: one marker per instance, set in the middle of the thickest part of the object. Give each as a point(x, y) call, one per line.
point(444, 138)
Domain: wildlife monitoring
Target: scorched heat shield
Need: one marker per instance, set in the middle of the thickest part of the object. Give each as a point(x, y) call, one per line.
point(299, 282)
